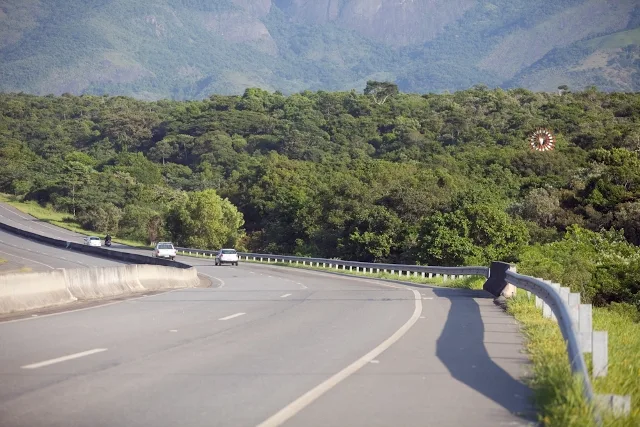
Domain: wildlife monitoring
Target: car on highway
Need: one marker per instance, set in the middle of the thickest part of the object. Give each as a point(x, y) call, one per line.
point(92, 241)
point(227, 256)
point(164, 250)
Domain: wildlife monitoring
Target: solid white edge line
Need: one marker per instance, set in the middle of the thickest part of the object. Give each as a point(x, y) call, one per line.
point(309, 397)
point(40, 253)
point(60, 313)
point(232, 316)
point(63, 358)
point(215, 278)
point(27, 259)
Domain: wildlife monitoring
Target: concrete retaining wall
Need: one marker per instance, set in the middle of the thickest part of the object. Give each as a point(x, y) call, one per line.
point(28, 291)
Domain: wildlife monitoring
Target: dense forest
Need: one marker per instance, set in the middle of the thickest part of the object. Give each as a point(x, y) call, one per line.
point(434, 179)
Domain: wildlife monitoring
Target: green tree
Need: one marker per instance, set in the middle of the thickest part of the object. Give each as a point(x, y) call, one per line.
point(380, 91)
point(205, 220)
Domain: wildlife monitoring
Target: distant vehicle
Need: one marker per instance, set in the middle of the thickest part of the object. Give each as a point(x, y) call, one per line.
point(107, 240)
point(227, 256)
point(92, 241)
point(165, 250)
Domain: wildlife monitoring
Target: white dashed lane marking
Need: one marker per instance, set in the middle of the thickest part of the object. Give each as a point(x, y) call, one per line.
point(63, 358)
point(232, 316)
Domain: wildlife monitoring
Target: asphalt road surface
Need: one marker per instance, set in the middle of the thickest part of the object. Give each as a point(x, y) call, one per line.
point(264, 346)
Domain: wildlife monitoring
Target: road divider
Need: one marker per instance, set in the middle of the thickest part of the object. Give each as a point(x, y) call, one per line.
point(29, 291)
point(93, 250)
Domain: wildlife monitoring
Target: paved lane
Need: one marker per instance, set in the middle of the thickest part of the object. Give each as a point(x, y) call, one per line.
point(35, 256)
point(256, 344)
point(12, 216)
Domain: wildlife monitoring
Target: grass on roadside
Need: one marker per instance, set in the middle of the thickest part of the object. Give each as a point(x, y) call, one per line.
point(59, 219)
point(465, 283)
point(557, 393)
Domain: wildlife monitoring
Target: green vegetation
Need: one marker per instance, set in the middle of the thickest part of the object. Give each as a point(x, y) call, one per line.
point(603, 267)
point(59, 219)
point(435, 179)
point(438, 179)
point(557, 394)
point(188, 49)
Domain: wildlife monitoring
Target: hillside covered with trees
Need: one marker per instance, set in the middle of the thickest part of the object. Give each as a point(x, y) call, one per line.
point(436, 179)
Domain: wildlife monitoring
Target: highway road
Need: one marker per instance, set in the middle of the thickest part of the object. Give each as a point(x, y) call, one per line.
point(25, 254)
point(266, 346)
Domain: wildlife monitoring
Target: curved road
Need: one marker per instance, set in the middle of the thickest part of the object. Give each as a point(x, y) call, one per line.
point(267, 346)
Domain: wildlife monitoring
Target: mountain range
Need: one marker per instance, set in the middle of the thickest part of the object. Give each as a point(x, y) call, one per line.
point(188, 49)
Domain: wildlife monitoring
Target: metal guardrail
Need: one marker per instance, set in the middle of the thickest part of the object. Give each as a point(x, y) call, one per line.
point(499, 276)
point(560, 309)
point(554, 300)
point(342, 264)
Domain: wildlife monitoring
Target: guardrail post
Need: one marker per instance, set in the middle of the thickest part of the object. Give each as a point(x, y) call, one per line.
point(620, 406)
point(539, 302)
point(564, 295)
point(546, 310)
point(600, 354)
point(586, 328)
point(556, 288)
point(574, 310)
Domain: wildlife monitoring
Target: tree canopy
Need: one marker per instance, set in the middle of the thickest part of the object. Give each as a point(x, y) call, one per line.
point(440, 179)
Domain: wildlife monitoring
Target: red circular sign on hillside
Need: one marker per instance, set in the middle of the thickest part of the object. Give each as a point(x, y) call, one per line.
point(542, 140)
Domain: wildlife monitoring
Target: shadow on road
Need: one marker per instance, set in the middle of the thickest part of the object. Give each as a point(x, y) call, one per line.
point(461, 348)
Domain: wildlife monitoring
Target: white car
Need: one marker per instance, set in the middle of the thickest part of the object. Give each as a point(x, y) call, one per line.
point(227, 256)
point(92, 241)
point(164, 250)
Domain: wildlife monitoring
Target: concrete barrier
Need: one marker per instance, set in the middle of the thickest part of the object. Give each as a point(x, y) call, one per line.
point(29, 291)
point(100, 282)
point(172, 278)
